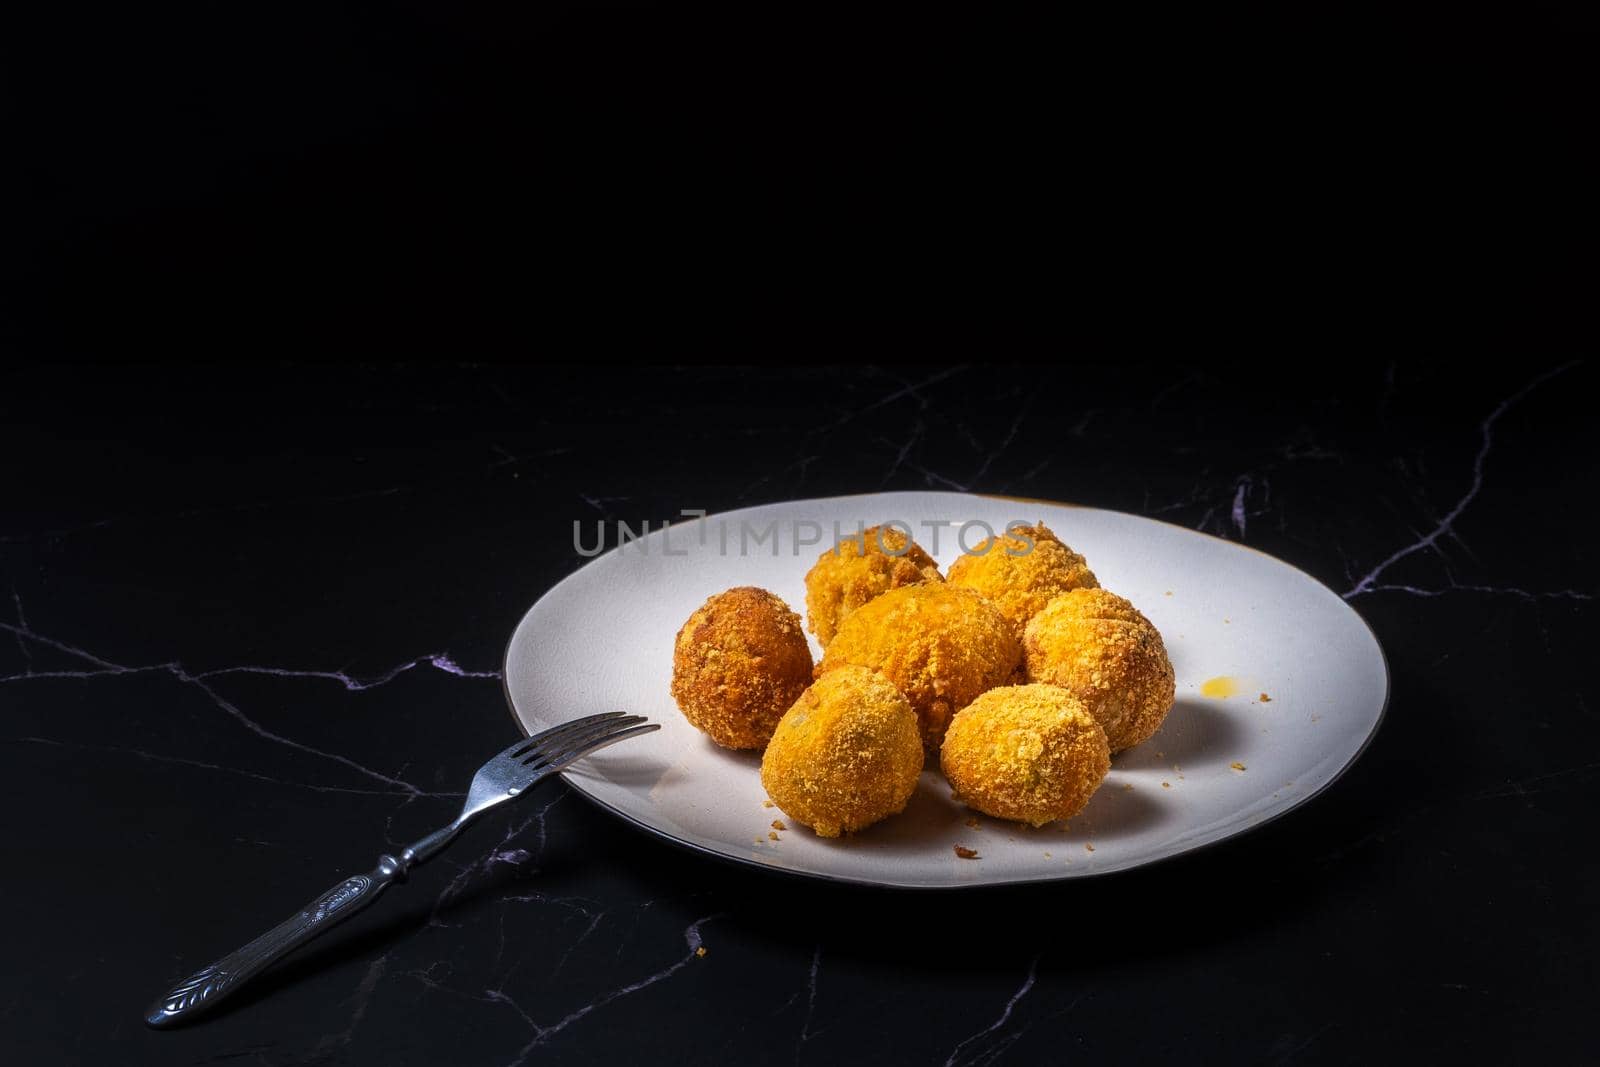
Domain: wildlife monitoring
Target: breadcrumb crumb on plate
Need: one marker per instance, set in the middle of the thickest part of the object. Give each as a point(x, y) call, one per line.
point(602, 640)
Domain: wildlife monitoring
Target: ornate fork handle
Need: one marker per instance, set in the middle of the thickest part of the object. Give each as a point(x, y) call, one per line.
point(503, 779)
point(202, 990)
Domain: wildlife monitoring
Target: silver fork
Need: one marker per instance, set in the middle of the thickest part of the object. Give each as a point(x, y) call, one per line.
point(504, 778)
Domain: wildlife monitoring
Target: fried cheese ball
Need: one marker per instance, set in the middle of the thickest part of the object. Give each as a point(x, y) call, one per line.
point(738, 664)
point(1097, 645)
point(1020, 580)
point(859, 569)
point(939, 645)
point(846, 755)
point(1026, 752)
point(1031, 753)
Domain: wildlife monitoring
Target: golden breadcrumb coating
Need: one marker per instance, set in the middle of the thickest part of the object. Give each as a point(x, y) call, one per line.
point(1099, 646)
point(1032, 753)
point(1021, 585)
point(738, 664)
point(846, 576)
point(940, 646)
point(846, 755)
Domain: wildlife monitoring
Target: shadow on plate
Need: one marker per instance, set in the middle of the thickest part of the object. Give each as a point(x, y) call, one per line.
point(1115, 811)
point(630, 771)
point(642, 769)
point(934, 815)
point(740, 757)
point(1197, 733)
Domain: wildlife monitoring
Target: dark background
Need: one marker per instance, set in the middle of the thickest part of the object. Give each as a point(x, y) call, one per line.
point(212, 567)
point(467, 181)
point(206, 575)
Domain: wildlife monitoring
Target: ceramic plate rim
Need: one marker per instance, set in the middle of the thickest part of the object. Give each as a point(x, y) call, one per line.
point(878, 883)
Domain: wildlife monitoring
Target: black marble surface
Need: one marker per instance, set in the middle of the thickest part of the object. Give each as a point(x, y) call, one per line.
point(250, 637)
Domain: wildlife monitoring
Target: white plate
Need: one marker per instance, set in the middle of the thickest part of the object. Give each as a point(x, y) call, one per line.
point(602, 640)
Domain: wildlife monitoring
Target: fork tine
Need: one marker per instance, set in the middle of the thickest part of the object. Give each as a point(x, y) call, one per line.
point(545, 752)
point(528, 744)
point(581, 723)
point(576, 753)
